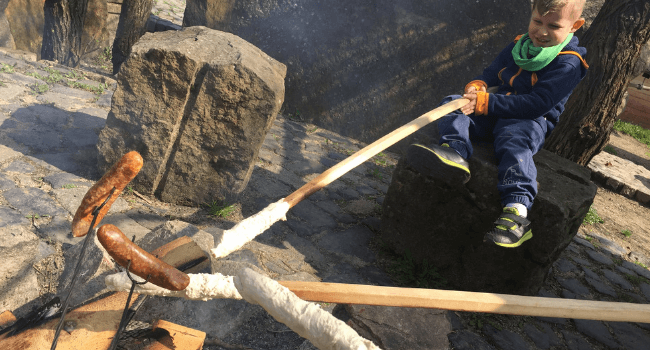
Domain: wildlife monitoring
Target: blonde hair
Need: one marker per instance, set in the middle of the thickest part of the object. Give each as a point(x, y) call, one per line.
point(545, 6)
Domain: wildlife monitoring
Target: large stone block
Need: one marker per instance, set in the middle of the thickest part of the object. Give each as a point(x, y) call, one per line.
point(197, 105)
point(444, 225)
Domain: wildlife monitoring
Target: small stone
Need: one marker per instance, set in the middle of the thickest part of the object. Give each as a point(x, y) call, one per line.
point(617, 279)
point(19, 166)
point(600, 257)
point(645, 289)
point(583, 242)
point(351, 242)
point(640, 270)
point(597, 331)
point(612, 247)
point(542, 335)
point(310, 213)
point(573, 285)
point(581, 261)
point(630, 337)
point(601, 287)
point(563, 265)
point(590, 274)
point(505, 339)
point(625, 271)
point(575, 342)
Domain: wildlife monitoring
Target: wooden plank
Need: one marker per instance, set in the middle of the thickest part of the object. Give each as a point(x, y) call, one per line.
point(95, 324)
point(180, 337)
point(469, 301)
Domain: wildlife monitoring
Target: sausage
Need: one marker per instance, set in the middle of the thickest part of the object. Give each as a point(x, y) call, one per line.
point(143, 264)
point(118, 176)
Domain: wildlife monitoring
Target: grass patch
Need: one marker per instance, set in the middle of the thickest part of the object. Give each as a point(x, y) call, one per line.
point(220, 209)
point(592, 217)
point(69, 186)
point(411, 273)
point(611, 150)
point(639, 133)
point(636, 280)
point(641, 264)
point(626, 233)
point(6, 68)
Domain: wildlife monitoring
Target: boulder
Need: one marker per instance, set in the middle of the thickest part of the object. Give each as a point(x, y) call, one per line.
point(444, 225)
point(197, 105)
point(363, 68)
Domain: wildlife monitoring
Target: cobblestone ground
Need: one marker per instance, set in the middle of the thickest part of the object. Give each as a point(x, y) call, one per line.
point(50, 117)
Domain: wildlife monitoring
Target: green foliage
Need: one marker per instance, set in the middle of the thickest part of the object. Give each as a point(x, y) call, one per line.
point(592, 217)
point(375, 173)
point(641, 264)
point(639, 133)
point(636, 280)
point(611, 150)
point(69, 186)
point(6, 68)
point(626, 233)
point(220, 208)
point(420, 275)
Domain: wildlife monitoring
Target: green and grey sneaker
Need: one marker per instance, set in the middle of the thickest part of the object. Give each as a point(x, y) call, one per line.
point(440, 162)
point(511, 229)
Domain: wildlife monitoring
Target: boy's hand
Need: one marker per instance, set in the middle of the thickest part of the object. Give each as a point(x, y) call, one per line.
point(470, 94)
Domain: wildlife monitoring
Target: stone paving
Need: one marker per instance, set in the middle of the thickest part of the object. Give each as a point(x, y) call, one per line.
point(50, 117)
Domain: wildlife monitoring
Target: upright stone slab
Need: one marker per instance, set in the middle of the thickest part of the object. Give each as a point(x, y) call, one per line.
point(197, 105)
point(444, 225)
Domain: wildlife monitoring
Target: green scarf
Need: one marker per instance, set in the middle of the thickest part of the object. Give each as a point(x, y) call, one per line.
point(532, 58)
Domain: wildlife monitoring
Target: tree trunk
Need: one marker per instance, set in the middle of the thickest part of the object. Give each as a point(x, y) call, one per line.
point(613, 41)
point(62, 31)
point(132, 25)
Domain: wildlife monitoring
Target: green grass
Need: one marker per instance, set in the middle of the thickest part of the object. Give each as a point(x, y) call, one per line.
point(5, 68)
point(636, 280)
point(641, 264)
point(69, 186)
point(411, 273)
point(220, 208)
point(592, 217)
point(611, 150)
point(639, 133)
point(626, 233)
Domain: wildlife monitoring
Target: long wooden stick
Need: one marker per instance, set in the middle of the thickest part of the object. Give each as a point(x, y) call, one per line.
point(371, 150)
point(469, 301)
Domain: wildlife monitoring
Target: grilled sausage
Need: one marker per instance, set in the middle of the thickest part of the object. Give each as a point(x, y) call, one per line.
point(143, 264)
point(118, 176)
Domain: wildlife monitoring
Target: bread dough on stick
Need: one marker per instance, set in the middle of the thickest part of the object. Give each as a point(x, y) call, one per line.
point(325, 331)
point(202, 286)
point(249, 228)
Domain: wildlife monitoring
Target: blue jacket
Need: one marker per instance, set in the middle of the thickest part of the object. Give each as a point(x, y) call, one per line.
point(530, 95)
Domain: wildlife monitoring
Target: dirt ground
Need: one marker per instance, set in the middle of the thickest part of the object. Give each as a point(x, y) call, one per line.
point(620, 213)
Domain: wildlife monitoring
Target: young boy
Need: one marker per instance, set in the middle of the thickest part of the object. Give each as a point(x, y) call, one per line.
point(535, 76)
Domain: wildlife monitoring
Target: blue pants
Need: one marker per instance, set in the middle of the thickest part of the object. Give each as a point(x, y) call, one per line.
point(515, 143)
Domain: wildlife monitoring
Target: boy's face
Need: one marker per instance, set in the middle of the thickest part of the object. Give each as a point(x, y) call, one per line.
point(553, 29)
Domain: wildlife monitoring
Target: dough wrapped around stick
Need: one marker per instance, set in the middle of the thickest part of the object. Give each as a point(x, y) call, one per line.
point(202, 286)
point(307, 319)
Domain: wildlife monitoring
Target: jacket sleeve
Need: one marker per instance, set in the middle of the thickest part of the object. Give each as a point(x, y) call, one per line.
point(555, 84)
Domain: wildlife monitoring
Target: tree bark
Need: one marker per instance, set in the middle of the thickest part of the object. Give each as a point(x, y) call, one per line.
point(613, 41)
point(62, 31)
point(132, 25)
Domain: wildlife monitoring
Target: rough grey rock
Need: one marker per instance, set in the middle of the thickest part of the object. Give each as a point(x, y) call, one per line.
point(401, 328)
point(505, 339)
point(200, 124)
point(445, 224)
point(630, 337)
point(466, 340)
point(600, 257)
point(18, 284)
point(172, 230)
point(597, 331)
point(575, 342)
point(542, 335)
point(346, 58)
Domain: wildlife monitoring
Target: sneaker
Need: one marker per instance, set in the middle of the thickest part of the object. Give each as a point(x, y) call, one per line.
point(441, 162)
point(511, 229)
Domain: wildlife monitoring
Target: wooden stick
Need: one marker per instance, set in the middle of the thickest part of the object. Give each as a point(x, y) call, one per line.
point(370, 151)
point(469, 301)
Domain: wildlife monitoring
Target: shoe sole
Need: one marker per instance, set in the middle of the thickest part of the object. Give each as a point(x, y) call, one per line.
point(427, 162)
point(528, 235)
